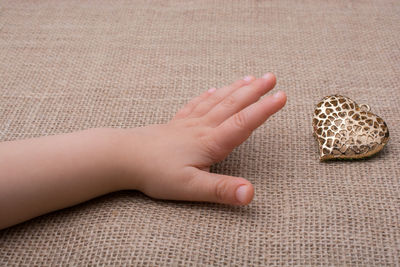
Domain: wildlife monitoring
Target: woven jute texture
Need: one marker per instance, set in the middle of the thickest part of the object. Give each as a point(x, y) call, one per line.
point(72, 65)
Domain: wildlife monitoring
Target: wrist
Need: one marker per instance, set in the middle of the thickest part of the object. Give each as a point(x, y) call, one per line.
point(109, 143)
point(122, 164)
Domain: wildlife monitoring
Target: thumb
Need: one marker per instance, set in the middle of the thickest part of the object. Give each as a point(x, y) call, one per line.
point(212, 187)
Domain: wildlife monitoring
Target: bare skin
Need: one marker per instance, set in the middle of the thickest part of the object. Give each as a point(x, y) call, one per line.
point(165, 161)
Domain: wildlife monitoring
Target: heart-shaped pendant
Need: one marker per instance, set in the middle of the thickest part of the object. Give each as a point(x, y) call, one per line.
point(346, 130)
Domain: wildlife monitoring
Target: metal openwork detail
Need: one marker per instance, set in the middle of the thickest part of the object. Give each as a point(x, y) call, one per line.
point(347, 130)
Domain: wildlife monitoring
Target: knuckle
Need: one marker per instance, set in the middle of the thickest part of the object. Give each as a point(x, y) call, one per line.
point(201, 108)
point(214, 99)
point(212, 149)
point(229, 101)
point(191, 123)
point(239, 120)
point(205, 106)
point(221, 189)
point(189, 177)
point(189, 106)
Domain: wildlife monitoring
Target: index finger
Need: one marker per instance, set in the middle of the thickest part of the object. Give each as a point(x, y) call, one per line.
point(239, 127)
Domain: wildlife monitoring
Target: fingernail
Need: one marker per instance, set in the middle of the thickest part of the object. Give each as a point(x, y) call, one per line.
point(248, 78)
point(278, 94)
point(241, 193)
point(267, 75)
point(212, 90)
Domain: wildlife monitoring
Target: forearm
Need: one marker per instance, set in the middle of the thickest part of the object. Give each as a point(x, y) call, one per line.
point(49, 173)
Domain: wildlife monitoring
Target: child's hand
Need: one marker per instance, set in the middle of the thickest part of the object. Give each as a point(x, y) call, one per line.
point(171, 161)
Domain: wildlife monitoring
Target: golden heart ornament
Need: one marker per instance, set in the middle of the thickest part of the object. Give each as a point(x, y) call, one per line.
point(346, 130)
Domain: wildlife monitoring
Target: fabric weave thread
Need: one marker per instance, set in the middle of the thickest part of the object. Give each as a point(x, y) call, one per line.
point(71, 65)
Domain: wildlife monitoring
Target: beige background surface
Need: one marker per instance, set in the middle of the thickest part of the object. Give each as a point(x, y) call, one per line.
point(71, 65)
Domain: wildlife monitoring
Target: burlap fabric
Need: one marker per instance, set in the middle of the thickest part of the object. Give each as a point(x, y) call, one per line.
point(71, 65)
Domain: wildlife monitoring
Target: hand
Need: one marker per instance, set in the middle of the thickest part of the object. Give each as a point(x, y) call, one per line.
point(171, 161)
